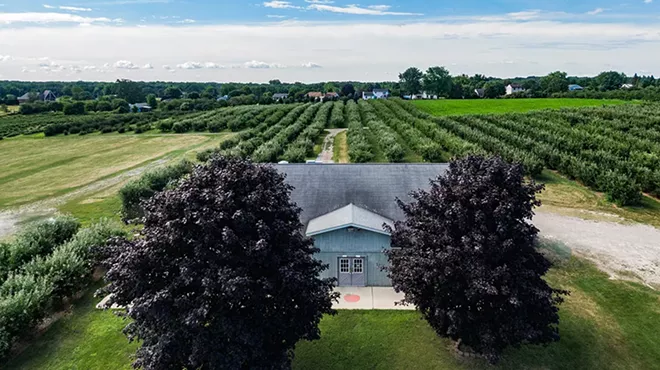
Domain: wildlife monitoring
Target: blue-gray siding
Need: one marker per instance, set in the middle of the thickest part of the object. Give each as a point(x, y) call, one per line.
point(363, 243)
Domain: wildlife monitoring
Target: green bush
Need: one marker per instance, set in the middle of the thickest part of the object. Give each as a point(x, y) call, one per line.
point(36, 239)
point(133, 193)
point(26, 297)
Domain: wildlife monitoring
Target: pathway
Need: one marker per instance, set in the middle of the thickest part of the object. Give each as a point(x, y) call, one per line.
point(369, 298)
point(614, 247)
point(328, 146)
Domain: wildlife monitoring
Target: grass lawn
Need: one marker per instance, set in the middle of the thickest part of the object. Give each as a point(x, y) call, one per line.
point(605, 324)
point(10, 109)
point(486, 106)
point(340, 148)
point(569, 197)
point(35, 168)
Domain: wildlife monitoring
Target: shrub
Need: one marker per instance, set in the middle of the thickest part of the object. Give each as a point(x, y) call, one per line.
point(36, 239)
point(466, 257)
point(151, 182)
point(74, 108)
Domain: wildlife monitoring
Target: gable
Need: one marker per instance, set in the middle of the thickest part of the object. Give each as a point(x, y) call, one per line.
point(350, 216)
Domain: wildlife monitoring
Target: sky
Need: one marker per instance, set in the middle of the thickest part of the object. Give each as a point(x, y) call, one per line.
point(320, 40)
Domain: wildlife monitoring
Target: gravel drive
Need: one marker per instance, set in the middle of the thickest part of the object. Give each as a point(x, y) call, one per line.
point(328, 146)
point(613, 246)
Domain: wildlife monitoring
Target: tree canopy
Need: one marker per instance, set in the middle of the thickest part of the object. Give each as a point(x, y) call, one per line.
point(411, 80)
point(221, 276)
point(555, 82)
point(466, 256)
point(438, 81)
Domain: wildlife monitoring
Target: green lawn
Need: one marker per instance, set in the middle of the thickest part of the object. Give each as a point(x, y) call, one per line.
point(34, 168)
point(486, 106)
point(605, 324)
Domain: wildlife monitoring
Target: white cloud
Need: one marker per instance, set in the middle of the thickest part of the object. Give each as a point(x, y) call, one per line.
point(596, 11)
point(277, 4)
point(379, 7)
point(190, 65)
point(75, 9)
point(9, 18)
point(319, 1)
point(187, 21)
point(125, 64)
point(69, 8)
point(648, 1)
point(276, 16)
point(4, 58)
point(503, 48)
point(311, 65)
point(211, 65)
point(254, 64)
point(354, 9)
point(147, 66)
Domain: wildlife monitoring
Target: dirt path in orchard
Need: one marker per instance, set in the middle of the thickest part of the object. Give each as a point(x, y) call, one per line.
point(328, 146)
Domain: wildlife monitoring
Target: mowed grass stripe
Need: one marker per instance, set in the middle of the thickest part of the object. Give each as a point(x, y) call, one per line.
point(96, 164)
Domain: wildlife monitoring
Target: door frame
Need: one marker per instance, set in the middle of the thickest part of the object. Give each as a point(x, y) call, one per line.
point(351, 263)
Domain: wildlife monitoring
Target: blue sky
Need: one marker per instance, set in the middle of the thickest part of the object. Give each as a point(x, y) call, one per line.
point(313, 40)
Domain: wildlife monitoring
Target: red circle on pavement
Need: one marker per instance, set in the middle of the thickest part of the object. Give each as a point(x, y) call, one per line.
point(352, 298)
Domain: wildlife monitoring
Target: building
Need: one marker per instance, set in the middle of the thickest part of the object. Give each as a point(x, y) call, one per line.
point(46, 96)
point(367, 95)
point(514, 88)
point(429, 96)
point(331, 95)
point(381, 93)
point(574, 87)
point(280, 96)
point(141, 107)
point(627, 86)
point(315, 95)
point(480, 92)
point(344, 208)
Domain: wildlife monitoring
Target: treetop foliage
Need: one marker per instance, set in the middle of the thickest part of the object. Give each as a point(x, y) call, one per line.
point(466, 257)
point(221, 276)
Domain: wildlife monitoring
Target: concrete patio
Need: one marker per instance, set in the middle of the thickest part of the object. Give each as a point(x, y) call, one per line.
point(369, 298)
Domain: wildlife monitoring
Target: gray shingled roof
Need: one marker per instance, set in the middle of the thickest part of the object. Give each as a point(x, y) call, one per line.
point(323, 188)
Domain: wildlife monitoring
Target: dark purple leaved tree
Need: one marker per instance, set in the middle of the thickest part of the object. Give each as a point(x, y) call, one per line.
point(467, 257)
point(221, 276)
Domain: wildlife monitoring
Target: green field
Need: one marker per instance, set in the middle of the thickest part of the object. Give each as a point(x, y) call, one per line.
point(487, 106)
point(35, 168)
point(605, 324)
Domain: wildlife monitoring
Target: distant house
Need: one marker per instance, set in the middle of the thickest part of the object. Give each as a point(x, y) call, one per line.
point(574, 87)
point(141, 107)
point(627, 86)
point(514, 88)
point(45, 96)
point(376, 94)
point(381, 93)
point(480, 92)
point(429, 96)
point(315, 95)
point(417, 97)
point(280, 96)
point(225, 98)
point(331, 95)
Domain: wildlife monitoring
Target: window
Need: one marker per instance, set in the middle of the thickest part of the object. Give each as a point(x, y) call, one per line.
point(343, 266)
point(357, 265)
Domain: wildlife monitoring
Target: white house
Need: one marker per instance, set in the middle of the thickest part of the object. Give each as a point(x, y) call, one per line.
point(514, 88)
point(429, 96)
point(366, 95)
point(627, 86)
point(381, 93)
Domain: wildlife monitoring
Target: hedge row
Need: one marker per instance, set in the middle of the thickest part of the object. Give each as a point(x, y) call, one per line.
point(27, 296)
point(303, 147)
point(359, 147)
point(36, 239)
point(386, 136)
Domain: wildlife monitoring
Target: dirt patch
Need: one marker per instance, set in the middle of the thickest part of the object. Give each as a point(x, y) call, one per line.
point(613, 246)
point(328, 146)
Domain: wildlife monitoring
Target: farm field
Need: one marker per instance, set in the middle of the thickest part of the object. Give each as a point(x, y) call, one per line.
point(598, 332)
point(34, 168)
point(488, 106)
